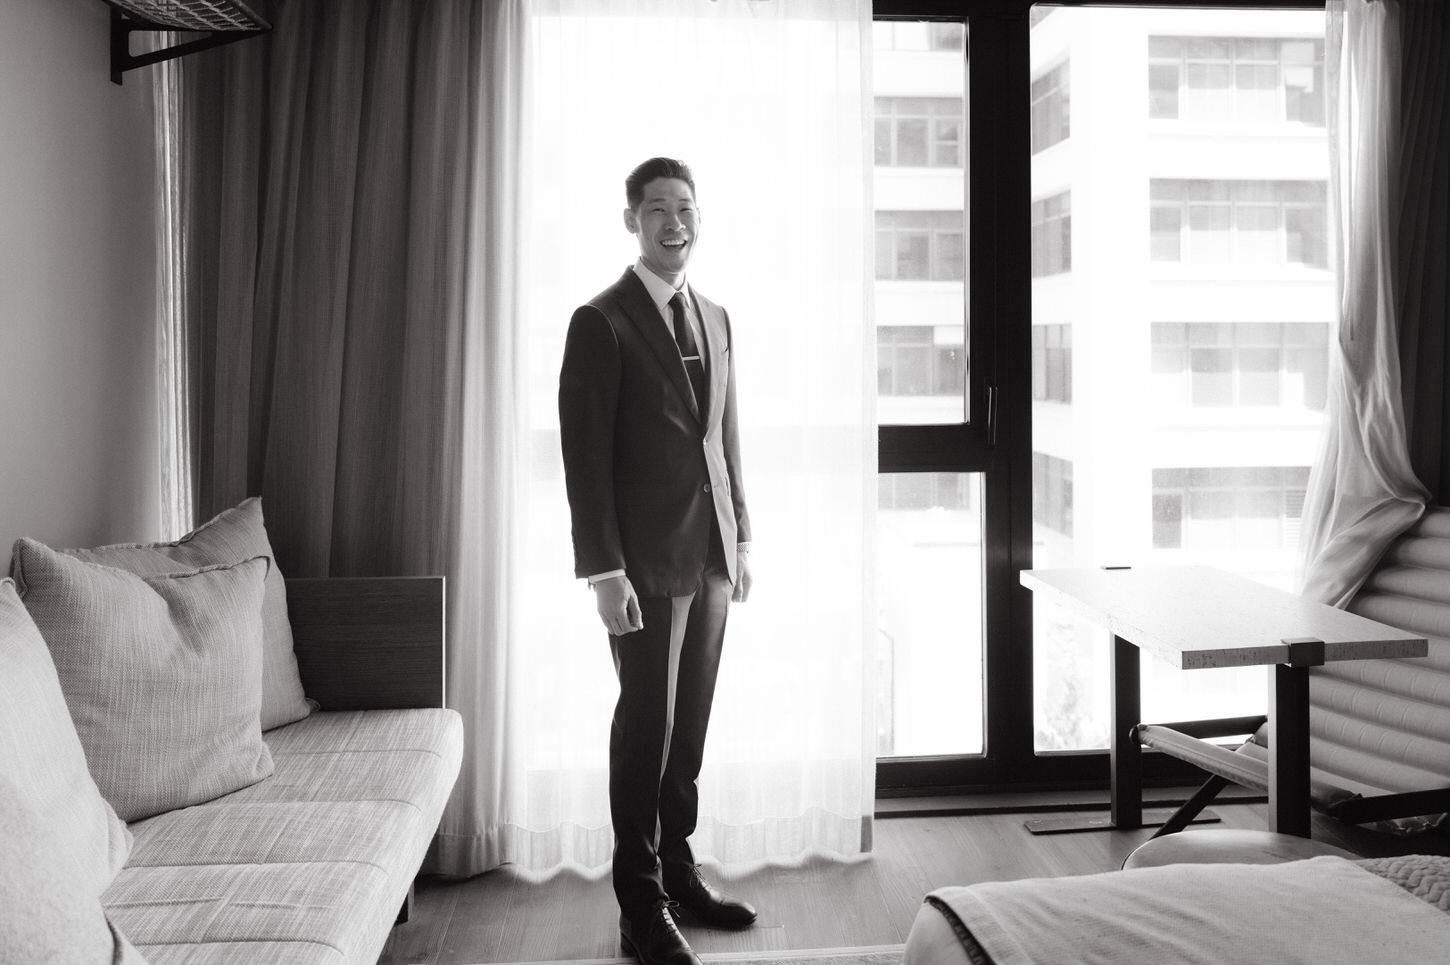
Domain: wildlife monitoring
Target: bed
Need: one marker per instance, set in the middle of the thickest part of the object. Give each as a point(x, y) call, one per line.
point(1324, 910)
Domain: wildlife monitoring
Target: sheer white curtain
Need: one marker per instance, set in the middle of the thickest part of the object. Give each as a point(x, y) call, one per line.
point(769, 104)
point(1362, 491)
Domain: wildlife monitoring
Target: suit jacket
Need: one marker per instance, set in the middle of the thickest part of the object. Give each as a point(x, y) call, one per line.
point(645, 470)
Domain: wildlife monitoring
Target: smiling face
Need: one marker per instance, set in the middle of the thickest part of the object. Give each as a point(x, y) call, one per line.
point(667, 224)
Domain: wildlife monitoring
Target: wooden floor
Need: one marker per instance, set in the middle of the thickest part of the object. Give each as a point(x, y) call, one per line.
point(509, 916)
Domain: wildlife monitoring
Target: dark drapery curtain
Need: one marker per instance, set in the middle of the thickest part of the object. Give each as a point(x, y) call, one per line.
point(341, 319)
point(325, 176)
point(1423, 268)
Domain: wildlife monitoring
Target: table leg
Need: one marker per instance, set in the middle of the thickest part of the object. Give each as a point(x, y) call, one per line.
point(1289, 751)
point(1125, 755)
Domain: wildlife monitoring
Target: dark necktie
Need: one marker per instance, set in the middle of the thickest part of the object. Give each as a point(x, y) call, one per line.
point(689, 351)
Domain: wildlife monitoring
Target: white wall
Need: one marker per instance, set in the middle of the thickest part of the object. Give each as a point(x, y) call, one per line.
point(77, 283)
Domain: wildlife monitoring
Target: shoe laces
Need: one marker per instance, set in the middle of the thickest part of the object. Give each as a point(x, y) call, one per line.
point(666, 914)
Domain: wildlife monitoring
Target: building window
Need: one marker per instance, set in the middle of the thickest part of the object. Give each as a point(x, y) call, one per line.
point(1241, 363)
point(1052, 363)
point(924, 490)
point(1051, 122)
point(1239, 79)
point(945, 36)
point(1228, 508)
point(1052, 235)
point(1242, 222)
point(1052, 493)
point(923, 36)
point(920, 132)
point(920, 245)
point(919, 360)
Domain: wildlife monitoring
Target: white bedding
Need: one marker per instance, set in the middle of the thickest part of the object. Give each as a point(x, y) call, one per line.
point(1323, 911)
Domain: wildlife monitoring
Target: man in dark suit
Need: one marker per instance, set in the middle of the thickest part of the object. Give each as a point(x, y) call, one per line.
point(652, 468)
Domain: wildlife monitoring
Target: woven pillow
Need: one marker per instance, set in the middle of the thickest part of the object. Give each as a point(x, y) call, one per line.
point(42, 767)
point(231, 536)
point(162, 674)
point(46, 913)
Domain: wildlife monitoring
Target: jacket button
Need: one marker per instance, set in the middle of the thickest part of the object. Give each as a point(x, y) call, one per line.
point(707, 487)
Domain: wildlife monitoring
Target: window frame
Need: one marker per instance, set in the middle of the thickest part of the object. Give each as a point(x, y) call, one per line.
point(1287, 488)
point(1285, 197)
point(939, 114)
point(1051, 103)
point(1233, 61)
point(995, 439)
point(937, 227)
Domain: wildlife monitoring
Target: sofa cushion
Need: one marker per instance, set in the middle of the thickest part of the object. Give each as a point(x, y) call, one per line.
point(310, 865)
point(42, 767)
point(162, 675)
point(232, 536)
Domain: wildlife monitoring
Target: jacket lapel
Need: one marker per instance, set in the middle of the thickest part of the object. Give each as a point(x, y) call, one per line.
point(715, 349)
point(634, 299)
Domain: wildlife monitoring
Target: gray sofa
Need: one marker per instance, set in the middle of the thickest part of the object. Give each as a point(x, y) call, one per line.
point(201, 763)
point(314, 863)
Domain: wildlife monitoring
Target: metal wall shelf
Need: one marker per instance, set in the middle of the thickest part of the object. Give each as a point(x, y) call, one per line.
point(217, 21)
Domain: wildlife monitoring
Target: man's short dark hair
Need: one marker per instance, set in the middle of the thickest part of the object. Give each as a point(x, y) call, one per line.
point(655, 167)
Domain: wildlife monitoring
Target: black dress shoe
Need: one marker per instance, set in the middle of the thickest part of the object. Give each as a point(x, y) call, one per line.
point(707, 904)
point(654, 939)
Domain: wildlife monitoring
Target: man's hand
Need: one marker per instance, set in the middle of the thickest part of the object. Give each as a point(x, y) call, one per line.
point(618, 605)
point(742, 577)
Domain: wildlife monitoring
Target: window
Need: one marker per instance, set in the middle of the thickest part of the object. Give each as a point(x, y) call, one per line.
point(1238, 79)
point(919, 360)
point(920, 35)
point(919, 132)
point(1050, 115)
point(1239, 222)
point(1052, 497)
point(929, 533)
point(1051, 235)
point(1052, 363)
point(925, 490)
point(929, 657)
point(1228, 509)
point(920, 245)
point(1240, 363)
point(1199, 338)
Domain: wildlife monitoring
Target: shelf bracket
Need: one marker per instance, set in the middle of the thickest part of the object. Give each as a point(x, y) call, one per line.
point(123, 25)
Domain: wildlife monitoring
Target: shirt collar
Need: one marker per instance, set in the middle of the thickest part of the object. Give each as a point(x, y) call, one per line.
point(659, 290)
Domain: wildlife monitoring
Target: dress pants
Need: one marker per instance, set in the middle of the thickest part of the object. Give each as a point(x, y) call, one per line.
point(656, 745)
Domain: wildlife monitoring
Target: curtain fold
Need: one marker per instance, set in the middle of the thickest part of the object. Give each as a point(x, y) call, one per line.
point(484, 600)
point(1362, 491)
point(326, 178)
point(1423, 271)
point(383, 214)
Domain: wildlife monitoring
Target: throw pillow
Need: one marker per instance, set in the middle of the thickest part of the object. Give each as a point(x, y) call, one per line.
point(162, 674)
point(232, 536)
point(47, 914)
point(42, 767)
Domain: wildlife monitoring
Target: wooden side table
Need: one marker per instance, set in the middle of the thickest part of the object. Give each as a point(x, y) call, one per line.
point(1196, 617)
